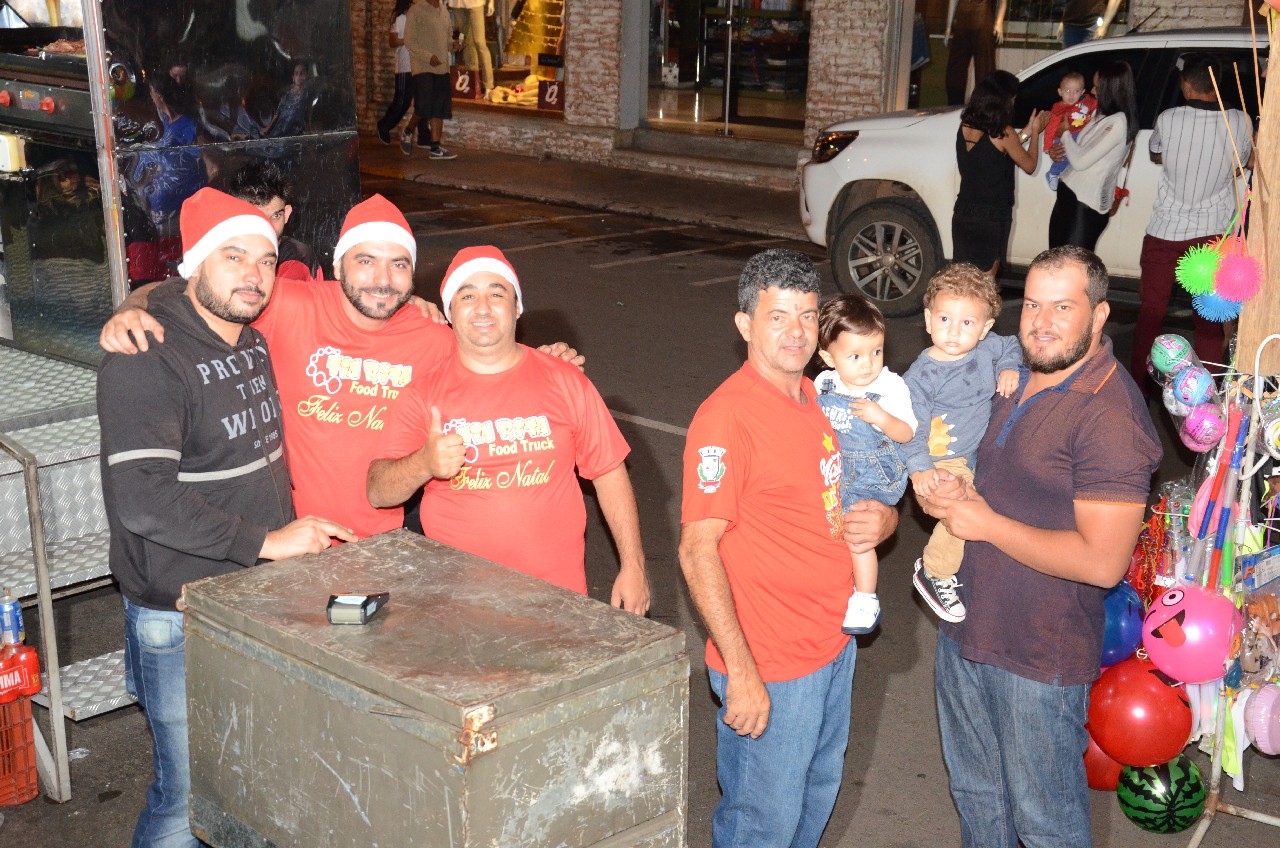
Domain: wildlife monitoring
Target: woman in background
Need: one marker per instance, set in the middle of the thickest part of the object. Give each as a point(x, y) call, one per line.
point(403, 97)
point(1087, 188)
point(987, 149)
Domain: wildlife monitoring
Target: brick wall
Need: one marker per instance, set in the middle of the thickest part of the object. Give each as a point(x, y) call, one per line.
point(1177, 14)
point(593, 57)
point(846, 61)
point(374, 62)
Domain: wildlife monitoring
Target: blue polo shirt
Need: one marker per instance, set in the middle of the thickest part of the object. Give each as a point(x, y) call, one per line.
point(1088, 438)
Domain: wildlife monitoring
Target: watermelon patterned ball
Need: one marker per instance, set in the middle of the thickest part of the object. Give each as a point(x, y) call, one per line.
point(1162, 799)
point(1193, 385)
point(1170, 352)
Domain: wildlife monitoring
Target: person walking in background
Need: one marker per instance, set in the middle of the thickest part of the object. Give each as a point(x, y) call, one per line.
point(428, 35)
point(987, 149)
point(974, 28)
point(403, 97)
point(1087, 188)
point(1194, 204)
point(469, 17)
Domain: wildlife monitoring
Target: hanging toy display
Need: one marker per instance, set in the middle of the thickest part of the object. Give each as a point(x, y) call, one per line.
point(1189, 392)
point(1221, 275)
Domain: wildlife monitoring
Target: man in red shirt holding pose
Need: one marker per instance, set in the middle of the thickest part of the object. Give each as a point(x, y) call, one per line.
point(495, 432)
point(765, 550)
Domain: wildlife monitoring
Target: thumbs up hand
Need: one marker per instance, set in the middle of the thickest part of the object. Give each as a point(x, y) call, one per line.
point(445, 452)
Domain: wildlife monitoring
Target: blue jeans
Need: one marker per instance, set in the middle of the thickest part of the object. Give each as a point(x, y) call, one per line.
point(1073, 35)
point(155, 674)
point(1014, 750)
point(780, 788)
point(872, 467)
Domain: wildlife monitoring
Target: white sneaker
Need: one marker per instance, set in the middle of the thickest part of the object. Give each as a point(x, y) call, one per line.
point(863, 614)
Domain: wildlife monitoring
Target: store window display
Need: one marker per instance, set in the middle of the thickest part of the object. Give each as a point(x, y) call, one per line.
point(530, 39)
point(974, 28)
point(469, 22)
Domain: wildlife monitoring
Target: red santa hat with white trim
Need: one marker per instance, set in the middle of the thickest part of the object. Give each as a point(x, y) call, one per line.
point(210, 217)
point(375, 219)
point(473, 260)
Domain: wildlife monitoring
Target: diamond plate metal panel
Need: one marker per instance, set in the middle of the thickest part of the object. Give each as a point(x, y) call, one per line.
point(90, 687)
point(71, 561)
point(36, 390)
point(70, 484)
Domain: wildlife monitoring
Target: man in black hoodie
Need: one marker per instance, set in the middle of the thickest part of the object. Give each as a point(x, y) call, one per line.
point(193, 471)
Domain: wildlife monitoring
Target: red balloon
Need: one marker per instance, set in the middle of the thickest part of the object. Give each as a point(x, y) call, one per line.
point(1138, 715)
point(1102, 771)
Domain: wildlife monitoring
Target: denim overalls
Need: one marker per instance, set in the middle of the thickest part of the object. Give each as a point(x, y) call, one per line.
point(873, 468)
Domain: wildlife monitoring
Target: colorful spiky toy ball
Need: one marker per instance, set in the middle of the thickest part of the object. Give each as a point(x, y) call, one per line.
point(1197, 267)
point(1238, 278)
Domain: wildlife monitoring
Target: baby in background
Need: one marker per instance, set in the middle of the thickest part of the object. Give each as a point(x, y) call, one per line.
point(870, 410)
point(951, 385)
point(1068, 115)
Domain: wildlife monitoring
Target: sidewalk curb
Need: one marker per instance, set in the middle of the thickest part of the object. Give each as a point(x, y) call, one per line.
point(622, 207)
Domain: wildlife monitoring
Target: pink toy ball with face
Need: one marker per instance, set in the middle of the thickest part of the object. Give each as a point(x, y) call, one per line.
point(1190, 633)
point(1193, 385)
point(1170, 353)
point(1203, 428)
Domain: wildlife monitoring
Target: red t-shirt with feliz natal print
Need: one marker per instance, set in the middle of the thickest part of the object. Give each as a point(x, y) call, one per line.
point(338, 386)
point(517, 500)
point(771, 468)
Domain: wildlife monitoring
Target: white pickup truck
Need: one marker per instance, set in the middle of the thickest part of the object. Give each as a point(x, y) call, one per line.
point(878, 192)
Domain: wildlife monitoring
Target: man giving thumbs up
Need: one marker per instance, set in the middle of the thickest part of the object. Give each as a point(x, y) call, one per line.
point(496, 432)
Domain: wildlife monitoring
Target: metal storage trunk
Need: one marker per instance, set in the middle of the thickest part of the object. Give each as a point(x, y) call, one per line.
point(481, 708)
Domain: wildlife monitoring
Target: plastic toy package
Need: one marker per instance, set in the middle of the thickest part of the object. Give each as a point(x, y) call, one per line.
point(1190, 393)
point(1260, 641)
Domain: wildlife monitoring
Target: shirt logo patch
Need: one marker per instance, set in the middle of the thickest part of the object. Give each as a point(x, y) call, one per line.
point(711, 468)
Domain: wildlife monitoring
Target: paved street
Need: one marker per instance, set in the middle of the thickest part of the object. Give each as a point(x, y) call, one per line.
point(650, 303)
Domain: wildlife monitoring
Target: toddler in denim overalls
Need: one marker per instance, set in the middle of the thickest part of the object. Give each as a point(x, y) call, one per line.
point(869, 408)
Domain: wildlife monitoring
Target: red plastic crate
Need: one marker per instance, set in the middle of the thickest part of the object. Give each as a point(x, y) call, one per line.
point(18, 781)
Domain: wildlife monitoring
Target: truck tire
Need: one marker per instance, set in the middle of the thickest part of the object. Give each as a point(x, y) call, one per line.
point(887, 251)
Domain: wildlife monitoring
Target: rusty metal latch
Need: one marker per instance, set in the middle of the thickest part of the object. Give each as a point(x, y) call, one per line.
point(475, 741)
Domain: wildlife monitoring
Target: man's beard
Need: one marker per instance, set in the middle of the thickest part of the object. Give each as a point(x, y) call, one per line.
point(377, 311)
point(1062, 361)
point(228, 310)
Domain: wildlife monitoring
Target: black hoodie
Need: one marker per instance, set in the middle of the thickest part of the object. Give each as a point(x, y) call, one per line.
point(193, 467)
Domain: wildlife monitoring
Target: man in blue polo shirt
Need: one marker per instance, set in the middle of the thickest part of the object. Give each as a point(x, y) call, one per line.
point(1056, 506)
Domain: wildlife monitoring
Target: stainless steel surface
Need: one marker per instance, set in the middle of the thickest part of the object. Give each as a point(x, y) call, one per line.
point(37, 390)
point(105, 143)
point(91, 687)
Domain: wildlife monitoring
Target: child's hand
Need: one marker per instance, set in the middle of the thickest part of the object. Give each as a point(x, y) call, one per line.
point(865, 409)
point(1007, 383)
point(924, 483)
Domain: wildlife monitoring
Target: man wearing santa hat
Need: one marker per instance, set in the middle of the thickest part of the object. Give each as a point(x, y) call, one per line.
point(344, 353)
point(497, 429)
point(193, 473)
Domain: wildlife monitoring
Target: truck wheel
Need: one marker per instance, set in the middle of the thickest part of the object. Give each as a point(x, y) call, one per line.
point(887, 251)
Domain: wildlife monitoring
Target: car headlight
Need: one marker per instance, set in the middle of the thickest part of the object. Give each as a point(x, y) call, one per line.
point(828, 145)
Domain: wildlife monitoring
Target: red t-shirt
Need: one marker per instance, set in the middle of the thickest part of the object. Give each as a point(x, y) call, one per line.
point(771, 468)
point(516, 500)
point(338, 385)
